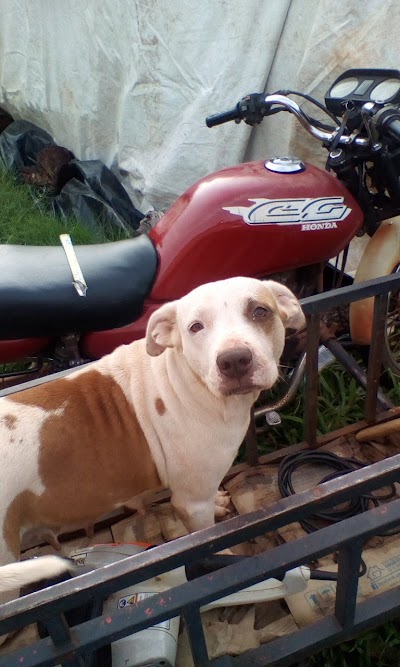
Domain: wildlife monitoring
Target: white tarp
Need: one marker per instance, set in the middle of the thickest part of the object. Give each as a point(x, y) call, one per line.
point(132, 82)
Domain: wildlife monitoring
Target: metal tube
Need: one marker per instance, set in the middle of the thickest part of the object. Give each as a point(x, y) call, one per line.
point(295, 380)
point(349, 561)
point(196, 636)
point(251, 442)
point(352, 367)
point(316, 132)
point(312, 379)
point(375, 356)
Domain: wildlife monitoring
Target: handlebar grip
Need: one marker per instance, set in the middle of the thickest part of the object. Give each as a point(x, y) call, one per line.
point(393, 128)
point(388, 122)
point(224, 117)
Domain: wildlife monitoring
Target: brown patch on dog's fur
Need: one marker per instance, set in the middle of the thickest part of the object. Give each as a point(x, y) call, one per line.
point(93, 456)
point(9, 421)
point(160, 406)
point(18, 513)
point(266, 322)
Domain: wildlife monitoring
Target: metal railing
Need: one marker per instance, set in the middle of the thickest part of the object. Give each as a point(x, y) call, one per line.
point(73, 646)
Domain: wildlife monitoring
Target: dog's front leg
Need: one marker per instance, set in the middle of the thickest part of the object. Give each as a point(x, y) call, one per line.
point(195, 514)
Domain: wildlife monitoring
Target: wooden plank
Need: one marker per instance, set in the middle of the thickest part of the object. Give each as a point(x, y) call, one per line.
point(278, 455)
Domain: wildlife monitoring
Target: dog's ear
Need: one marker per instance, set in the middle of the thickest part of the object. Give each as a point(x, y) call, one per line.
point(162, 330)
point(289, 308)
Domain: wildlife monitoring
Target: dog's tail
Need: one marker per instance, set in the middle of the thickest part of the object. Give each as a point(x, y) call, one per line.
point(15, 575)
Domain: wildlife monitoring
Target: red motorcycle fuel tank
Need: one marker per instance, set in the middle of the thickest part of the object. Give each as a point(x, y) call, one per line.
point(251, 220)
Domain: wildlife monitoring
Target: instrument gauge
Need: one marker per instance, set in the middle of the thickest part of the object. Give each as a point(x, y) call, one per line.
point(344, 87)
point(385, 90)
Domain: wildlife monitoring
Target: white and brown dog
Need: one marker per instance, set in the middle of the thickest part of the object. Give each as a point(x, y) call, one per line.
point(170, 410)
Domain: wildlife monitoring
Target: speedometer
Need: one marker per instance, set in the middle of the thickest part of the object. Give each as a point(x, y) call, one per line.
point(358, 86)
point(344, 88)
point(385, 90)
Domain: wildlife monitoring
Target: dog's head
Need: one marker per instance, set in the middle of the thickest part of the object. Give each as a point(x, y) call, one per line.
point(231, 332)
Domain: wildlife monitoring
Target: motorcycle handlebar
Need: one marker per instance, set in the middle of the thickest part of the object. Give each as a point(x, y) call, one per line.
point(394, 128)
point(268, 101)
point(387, 121)
point(322, 135)
point(224, 117)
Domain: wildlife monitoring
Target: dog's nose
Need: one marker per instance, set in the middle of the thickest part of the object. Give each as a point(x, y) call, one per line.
point(236, 362)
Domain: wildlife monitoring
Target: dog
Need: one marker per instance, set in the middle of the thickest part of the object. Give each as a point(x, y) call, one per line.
point(169, 410)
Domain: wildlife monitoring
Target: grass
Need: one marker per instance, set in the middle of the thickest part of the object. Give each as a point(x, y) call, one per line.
point(379, 647)
point(25, 218)
point(340, 402)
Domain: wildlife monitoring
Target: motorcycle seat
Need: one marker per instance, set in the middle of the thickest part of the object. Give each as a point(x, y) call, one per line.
point(38, 298)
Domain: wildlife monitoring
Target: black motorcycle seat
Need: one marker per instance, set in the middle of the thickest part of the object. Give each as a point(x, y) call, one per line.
point(38, 298)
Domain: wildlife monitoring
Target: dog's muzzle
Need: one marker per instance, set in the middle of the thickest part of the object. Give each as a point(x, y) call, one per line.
point(235, 363)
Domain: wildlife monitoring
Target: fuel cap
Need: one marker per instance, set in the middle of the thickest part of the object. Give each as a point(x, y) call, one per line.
point(285, 165)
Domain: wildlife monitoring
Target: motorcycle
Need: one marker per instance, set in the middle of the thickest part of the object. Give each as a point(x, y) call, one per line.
point(279, 218)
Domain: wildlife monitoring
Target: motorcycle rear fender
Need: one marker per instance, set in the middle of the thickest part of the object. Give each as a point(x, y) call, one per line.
point(380, 258)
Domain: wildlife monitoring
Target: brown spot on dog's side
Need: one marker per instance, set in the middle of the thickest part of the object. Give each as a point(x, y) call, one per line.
point(93, 454)
point(9, 421)
point(160, 407)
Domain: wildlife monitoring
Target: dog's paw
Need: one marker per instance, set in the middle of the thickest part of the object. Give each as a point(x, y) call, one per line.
point(222, 502)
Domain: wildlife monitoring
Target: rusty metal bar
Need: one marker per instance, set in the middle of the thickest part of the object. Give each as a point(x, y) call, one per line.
point(344, 295)
point(375, 356)
point(251, 441)
point(134, 569)
point(198, 592)
point(197, 640)
point(349, 561)
point(352, 367)
point(312, 380)
point(60, 633)
point(302, 644)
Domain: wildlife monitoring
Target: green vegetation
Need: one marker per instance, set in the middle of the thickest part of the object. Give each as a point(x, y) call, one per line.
point(26, 219)
point(340, 402)
point(376, 648)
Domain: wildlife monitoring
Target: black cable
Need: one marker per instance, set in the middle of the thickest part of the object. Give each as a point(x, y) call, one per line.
point(324, 575)
point(356, 505)
point(341, 466)
point(313, 101)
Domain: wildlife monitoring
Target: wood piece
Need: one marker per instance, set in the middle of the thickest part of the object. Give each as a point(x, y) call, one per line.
point(170, 524)
point(101, 537)
point(254, 488)
point(378, 430)
point(279, 454)
point(138, 528)
point(233, 631)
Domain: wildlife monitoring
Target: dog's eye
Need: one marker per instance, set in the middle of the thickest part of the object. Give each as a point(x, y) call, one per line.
point(195, 327)
point(261, 312)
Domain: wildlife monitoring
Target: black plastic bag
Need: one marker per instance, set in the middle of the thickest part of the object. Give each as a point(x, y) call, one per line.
point(5, 119)
point(77, 199)
point(20, 143)
point(105, 185)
